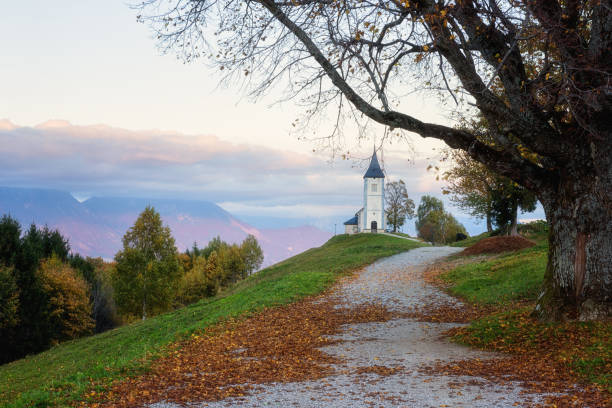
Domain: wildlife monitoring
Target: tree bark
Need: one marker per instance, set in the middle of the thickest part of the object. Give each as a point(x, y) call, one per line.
point(513, 230)
point(578, 278)
point(573, 173)
point(144, 307)
point(489, 224)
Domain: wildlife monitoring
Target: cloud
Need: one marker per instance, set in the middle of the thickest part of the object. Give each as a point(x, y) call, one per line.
point(245, 178)
point(296, 210)
point(530, 220)
point(101, 160)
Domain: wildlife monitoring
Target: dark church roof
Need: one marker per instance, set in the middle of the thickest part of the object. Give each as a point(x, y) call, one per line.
point(352, 221)
point(374, 171)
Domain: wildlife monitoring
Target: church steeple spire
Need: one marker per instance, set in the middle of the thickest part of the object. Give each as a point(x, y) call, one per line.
point(374, 171)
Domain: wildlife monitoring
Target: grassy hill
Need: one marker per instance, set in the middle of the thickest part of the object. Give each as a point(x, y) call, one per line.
point(510, 283)
point(62, 374)
point(513, 276)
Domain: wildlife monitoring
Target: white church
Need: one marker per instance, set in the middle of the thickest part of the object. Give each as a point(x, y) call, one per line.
point(371, 218)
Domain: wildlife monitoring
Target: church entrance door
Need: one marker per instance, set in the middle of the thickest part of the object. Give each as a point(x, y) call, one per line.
point(374, 226)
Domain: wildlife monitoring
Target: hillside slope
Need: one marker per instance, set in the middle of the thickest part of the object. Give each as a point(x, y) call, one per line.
point(61, 375)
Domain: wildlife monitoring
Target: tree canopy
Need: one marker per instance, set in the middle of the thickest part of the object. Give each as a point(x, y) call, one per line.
point(252, 254)
point(484, 194)
point(436, 225)
point(398, 206)
point(538, 71)
point(42, 299)
point(147, 269)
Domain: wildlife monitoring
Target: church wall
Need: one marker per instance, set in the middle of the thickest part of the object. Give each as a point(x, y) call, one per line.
point(374, 203)
point(350, 229)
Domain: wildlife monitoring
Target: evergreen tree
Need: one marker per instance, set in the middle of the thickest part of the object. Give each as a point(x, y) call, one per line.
point(10, 235)
point(9, 299)
point(34, 333)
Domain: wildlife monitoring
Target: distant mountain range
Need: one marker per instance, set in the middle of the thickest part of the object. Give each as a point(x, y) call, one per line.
point(95, 226)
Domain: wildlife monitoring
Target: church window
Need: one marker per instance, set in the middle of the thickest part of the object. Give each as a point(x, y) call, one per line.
point(374, 188)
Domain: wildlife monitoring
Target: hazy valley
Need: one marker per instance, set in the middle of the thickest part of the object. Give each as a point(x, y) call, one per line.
point(95, 226)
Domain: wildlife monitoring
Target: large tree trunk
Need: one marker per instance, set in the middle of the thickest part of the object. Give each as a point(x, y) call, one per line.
point(144, 307)
point(489, 223)
point(578, 279)
point(513, 230)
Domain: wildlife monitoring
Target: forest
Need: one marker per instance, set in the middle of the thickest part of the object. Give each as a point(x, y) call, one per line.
point(50, 294)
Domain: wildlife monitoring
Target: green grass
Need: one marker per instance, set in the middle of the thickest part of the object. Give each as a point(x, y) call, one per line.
point(583, 347)
point(511, 277)
point(401, 234)
point(62, 374)
point(586, 347)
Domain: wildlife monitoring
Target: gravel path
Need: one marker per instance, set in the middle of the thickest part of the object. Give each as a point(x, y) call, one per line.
point(402, 344)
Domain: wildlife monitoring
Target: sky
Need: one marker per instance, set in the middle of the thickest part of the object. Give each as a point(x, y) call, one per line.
point(92, 107)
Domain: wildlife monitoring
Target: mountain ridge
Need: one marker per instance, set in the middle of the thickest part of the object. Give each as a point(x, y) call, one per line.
point(96, 225)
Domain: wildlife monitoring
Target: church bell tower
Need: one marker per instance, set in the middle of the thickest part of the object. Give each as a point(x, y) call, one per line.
point(373, 219)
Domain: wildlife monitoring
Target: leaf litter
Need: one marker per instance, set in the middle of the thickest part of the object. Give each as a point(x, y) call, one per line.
point(542, 357)
point(277, 345)
point(283, 344)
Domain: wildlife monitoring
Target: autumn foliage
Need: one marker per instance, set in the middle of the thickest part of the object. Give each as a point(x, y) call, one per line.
point(570, 360)
point(68, 309)
point(498, 244)
point(42, 299)
point(434, 224)
point(538, 72)
point(216, 266)
point(277, 345)
point(544, 358)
